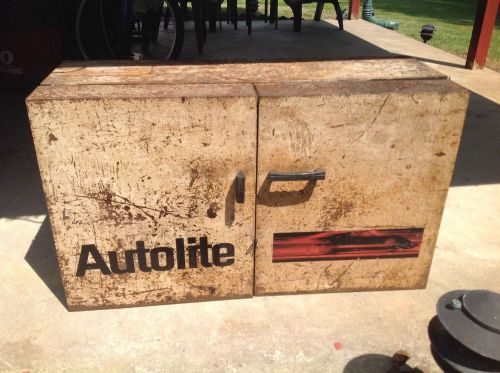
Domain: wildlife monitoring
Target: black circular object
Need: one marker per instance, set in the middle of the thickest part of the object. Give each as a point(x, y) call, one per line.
point(473, 319)
point(449, 352)
point(480, 306)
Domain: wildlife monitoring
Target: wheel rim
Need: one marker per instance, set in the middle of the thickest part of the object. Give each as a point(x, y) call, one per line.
point(169, 35)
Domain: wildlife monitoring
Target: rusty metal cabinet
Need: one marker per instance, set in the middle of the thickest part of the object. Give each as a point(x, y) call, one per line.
point(387, 151)
point(136, 176)
point(193, 182)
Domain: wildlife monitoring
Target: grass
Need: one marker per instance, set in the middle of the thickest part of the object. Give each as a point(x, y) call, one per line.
point(453, 20)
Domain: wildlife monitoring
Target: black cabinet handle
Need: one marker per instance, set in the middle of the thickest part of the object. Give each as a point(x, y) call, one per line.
point(240, 187)
point(296, 176)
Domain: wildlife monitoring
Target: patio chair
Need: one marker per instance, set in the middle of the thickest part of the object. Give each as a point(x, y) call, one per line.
point(213, 10)
point(203, 11)
point(251, 7)
point(296, 6)
point(232, 13)
point(198, 18)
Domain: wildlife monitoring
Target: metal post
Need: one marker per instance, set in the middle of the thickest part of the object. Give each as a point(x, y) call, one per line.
point(481, 33)
point(353, 9)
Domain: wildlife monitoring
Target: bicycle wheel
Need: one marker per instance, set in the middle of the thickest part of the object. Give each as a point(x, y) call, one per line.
point(112, 37)
point(172, 37)
point(90, 31)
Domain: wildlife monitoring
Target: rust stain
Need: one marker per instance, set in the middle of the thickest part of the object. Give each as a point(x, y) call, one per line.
point(108, 201)
point(52, 138)
point(194, 175)
point(335, 209)
point(212, 210)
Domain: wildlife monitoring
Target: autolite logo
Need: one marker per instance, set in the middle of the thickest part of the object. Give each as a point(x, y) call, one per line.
point(160, 258)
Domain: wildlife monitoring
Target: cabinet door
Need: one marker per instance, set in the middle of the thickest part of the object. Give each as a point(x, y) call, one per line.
point(141, 190)
point(361, 172)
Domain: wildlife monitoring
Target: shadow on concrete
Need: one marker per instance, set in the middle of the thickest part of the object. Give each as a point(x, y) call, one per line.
point(374, 363)
point(438, 62)
point(21, 192)
point(41, 256)
point(478, 160)
point(317, 41)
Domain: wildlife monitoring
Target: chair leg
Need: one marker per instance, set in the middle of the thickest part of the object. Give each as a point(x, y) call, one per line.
point(203, 22)
point(183, 6)
point(274, 13)
point(147, 19)
point(248, 15)
point(338, 10)
point(319, 11)
point(166, 21)
point(212, 18)
point(157, 22)
point(219, 9)
point(234, 13)
point(196, 7)
point(265, 11)
point(297, 16)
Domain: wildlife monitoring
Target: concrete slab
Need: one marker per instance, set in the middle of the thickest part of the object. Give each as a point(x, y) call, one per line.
point(349, 332)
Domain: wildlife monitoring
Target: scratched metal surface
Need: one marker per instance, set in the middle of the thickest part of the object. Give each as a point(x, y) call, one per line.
point(138, 157)
point(80, 73)
point(388, 149)
point(151, 168)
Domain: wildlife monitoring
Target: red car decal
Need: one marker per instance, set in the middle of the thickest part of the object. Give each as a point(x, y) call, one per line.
point(332, 245)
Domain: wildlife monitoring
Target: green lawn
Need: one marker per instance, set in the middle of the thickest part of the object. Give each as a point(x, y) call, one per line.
point(453, 20)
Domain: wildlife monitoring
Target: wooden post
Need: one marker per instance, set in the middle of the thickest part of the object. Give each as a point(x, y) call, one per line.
point(481, 33)
point(354, 9)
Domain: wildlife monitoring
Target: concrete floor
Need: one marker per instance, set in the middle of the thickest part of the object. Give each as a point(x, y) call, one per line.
point(349, 332)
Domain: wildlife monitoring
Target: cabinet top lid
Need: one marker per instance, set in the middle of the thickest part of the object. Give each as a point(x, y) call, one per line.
point(133, 73)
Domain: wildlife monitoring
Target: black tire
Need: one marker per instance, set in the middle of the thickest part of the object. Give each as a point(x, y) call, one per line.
point(107, 41)
point(176, 15)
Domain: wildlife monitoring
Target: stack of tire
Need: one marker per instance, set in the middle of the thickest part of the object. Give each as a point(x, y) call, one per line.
point(465, 334)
